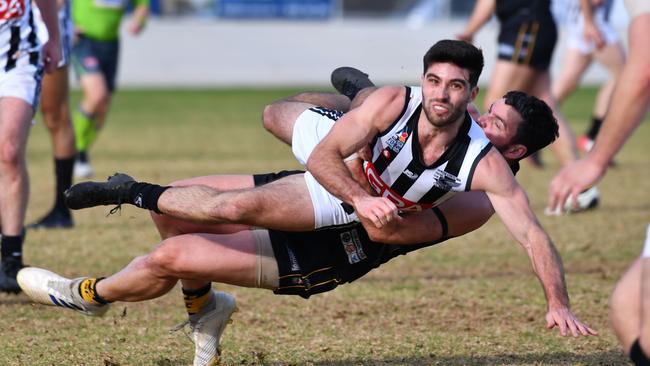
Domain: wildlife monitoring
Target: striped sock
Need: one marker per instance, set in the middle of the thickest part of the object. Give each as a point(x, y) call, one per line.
point(88, 291)
point(196, 300)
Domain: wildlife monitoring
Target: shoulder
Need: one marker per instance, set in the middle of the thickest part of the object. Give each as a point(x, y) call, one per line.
point(386, 103)
point(492, 173)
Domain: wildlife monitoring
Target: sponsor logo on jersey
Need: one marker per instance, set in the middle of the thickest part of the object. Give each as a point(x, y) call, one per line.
point(411, 175)
point(397, 141)
point(352, 246)
point(444, 180)
point(384, 190)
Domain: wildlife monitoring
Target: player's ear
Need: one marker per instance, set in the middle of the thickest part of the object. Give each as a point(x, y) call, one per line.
point(515, 152)
point(474, 93)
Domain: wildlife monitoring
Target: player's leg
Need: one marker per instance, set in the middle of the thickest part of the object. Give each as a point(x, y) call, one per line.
point(630, 308)
point(199, 259)
point(270, 205)
point(280, 116)
point(574, 65)
point(284, 204)
point(508, 76)
point(56, 116)
point(612, 57)
point(15, 120)
point(564, 146)
point(169, 226)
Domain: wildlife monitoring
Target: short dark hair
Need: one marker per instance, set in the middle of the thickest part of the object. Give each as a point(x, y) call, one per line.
point(539, 127)
point(460, 53)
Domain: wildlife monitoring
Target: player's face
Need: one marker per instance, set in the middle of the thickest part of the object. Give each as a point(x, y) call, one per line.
point(445, 93)
point(500, 124)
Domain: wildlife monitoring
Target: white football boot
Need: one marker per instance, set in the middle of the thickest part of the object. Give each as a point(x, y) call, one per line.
point(48, 288)
point(206, 332)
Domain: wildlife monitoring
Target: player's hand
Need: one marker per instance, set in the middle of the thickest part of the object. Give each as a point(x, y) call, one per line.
point(564, 319)
point(591, 33)
point(51, 56)
point(572, 180)
point(378, 210)
point(467, 37)
point(136, 26)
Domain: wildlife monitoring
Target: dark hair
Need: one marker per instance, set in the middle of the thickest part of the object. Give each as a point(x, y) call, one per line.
point(459, 53)
point(539, 127)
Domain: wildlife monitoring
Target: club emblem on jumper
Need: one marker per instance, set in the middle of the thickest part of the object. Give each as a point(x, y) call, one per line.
point(444, 180)
point(397, 141)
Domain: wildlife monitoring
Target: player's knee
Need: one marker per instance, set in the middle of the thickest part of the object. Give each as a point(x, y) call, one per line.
point(269, 117)
point(164, 260)
point(11, 154)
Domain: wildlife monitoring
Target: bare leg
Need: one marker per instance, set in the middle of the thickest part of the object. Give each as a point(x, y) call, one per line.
point(56, 113)
point(508, 76)
point(265, 206)
point(279, 117)
point(625, 306)
point(612, 57)
point(169, 226)
point(199, 258)
point(573, 68)
point(564, 147)
point(15, 121)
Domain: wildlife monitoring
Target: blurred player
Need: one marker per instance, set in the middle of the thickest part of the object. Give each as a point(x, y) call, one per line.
point(55, 107)
point(22, 59)
point(95, 56)
point(526, 41)
point(590, 36)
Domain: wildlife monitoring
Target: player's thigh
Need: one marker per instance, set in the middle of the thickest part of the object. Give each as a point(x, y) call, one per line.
point(507, 76)
point(15, 121)
point(625, 306)
point(228, 259)
point(169, 226)
point(284, 204)
point(639, 53)
point(280, 117)
point(574, 65)
point(54, 94)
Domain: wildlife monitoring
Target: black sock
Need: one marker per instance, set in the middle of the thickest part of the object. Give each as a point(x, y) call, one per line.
point(594, 128)
point(12, 247)
point(63, 171)
point(82, 156)
point(145, 195)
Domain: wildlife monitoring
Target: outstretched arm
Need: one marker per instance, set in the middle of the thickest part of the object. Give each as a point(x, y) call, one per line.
point(630, 101)
point(511, 204)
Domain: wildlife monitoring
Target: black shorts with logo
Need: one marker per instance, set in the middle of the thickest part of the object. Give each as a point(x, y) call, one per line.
point(317, 261)
point(527, 36)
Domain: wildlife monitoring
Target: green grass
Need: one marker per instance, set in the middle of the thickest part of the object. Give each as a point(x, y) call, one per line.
point(470, 301)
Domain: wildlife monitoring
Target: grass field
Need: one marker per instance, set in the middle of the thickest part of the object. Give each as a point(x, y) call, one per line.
point(470, 301)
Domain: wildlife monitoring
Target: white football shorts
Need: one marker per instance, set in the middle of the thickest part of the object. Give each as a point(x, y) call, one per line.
point(576, 39)
point(23, 82)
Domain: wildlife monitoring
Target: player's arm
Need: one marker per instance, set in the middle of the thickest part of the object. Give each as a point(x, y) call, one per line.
point(463, 213)
point(140, 15)
point(349, 134)
point(51, 49)
point(483, 10)
point(510, 202)
point(590, 31)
